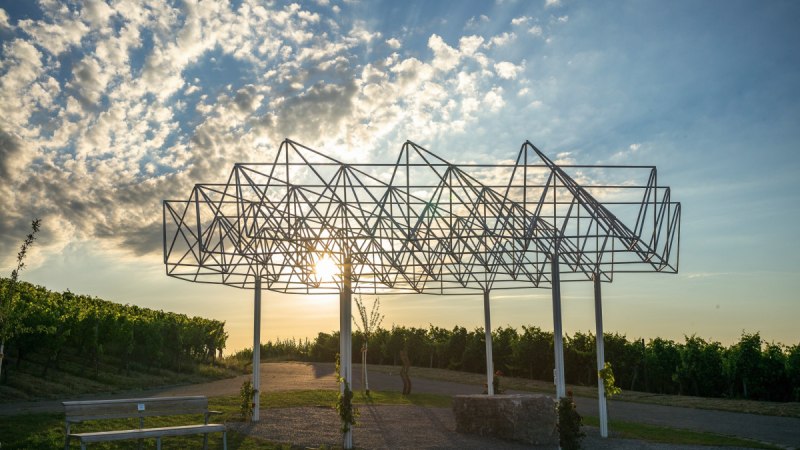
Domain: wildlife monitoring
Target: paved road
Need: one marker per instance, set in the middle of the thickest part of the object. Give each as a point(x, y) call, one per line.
point(783, 431)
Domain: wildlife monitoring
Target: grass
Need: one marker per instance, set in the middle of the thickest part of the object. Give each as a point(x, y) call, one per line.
point(73, 378)
point(34, 431)
point(45, 431)
point(675, 436)
point(788, 409)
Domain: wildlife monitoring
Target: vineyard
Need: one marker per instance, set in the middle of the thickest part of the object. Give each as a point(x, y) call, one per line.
point(90, 336)
point(750, 369)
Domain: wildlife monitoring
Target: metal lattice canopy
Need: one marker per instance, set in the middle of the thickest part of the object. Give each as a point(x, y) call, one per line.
point(421, 224)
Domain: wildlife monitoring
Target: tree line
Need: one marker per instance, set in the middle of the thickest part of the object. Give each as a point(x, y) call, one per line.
point(750, 368)
point(49, 326)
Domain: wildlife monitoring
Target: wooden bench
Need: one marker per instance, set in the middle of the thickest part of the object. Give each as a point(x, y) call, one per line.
point(81, 411)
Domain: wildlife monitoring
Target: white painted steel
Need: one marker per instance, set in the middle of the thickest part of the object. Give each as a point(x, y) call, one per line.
point(257, 350)
point(345, 340)
point(558, 339)
point(488, 330)
point(601, 357)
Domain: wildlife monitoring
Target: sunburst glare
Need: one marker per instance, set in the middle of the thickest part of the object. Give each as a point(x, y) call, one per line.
point(326, 269)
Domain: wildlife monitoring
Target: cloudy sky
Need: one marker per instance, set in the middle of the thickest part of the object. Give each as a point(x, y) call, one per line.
point(110, 107)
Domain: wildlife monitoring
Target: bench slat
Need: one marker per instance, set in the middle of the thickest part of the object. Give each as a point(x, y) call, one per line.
point(80, 411)
point(182, 430)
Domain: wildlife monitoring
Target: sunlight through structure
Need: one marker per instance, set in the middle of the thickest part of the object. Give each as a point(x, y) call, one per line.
point(307, 223)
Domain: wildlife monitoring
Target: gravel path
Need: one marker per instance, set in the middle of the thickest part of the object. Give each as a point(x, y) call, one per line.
point(403, 427)
point(388, 426)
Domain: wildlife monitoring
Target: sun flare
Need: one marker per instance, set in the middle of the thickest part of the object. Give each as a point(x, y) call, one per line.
point(326, 269)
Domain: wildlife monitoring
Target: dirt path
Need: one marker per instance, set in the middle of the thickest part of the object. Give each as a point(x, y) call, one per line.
point(783, 431)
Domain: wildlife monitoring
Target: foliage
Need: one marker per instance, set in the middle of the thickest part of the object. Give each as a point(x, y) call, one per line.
point(569, 424)
point(344, 402)
point(369, 323)
point(99, 332)
point(9, 322)
point(246, 395)
point(609, 383)
point(749, 369)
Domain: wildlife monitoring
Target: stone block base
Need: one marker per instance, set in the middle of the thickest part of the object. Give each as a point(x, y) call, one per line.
point(525, 418)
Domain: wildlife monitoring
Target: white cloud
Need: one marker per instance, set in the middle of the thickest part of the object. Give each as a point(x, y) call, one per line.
point(145, 110)
point(4, 23)
point(494, 99)
point(507, 70)
point(55, 38)
point(535, 30)
point(468, 45)
point(563, 19)
point(552, 3)
point(501, 39)
point(445, 57)
point(522, 20)
point(475, 22)
point(97, 13)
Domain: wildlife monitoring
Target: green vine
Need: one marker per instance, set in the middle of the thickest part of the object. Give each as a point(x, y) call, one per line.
point(607, 375)
point(246, 394)
point(344, 401)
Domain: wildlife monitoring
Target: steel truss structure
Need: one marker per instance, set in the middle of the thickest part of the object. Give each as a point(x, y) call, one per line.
point(423, 225)
point(420, 225)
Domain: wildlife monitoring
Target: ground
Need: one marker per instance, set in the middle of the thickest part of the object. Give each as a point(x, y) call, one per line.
point(423, 427)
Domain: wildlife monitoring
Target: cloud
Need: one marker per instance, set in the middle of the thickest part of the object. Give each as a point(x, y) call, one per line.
point(4, 23)
point(445, 57)
point(522, 20)
point(394, 43)
point(172, 96)
point(552, 3)
point(535, 30)
point(507, 70)
point(10, 150)
point(501, 39)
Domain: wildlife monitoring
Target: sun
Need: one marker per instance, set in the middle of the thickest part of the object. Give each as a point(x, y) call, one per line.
point(326, 269)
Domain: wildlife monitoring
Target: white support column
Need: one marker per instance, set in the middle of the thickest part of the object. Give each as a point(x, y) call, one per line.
point(488, 330)
point(257, 349)
point(601, 357)
point(345, 340)
point(558, 339)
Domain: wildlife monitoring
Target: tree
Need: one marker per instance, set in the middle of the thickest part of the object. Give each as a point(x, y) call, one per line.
point(369, 323)
point(7, 328)
point(744, 364)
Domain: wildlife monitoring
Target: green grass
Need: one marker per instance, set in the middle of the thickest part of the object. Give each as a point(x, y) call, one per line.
point(676, 436)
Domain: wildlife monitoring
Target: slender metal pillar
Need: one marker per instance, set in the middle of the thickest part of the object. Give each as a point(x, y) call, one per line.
point(345, 340)
point(257, 350)
point(488, 330)
point(558, 339)
point(601, 357)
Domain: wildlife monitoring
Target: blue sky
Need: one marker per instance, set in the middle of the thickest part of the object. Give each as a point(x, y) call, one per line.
point(110, 107)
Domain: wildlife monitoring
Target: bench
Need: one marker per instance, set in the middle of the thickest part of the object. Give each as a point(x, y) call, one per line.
point(81, 411)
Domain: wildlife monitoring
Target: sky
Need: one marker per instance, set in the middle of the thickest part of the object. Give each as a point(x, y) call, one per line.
point(110, 107)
